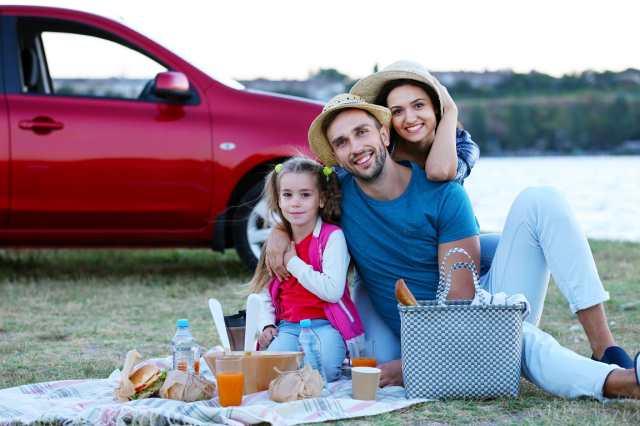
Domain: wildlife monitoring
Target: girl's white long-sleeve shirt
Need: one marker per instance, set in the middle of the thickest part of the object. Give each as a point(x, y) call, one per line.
point(328, 285)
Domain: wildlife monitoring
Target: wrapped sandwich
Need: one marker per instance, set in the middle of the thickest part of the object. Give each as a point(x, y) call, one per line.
point(139, 380)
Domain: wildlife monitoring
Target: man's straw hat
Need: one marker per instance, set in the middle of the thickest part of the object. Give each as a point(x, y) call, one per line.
point(369, 87)
point(318, 139)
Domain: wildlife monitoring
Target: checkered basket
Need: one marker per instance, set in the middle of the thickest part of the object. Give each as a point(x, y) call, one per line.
point(451, 349)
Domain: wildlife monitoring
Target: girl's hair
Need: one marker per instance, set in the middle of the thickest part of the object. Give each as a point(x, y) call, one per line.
point(381, 99)
point(330, 194)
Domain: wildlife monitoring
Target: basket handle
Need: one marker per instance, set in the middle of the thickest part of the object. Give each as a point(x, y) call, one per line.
point(444, 281)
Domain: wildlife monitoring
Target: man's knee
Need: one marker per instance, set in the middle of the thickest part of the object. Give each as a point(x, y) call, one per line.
point(540, 195)
point(543, 201)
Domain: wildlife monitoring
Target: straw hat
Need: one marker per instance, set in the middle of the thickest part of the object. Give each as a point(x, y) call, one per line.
point(318, 140)
point(369, 87)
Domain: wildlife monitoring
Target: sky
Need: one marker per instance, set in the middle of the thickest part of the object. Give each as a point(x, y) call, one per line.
point(290, 39)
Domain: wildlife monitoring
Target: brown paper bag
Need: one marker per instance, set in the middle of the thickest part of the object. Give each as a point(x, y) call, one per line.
point(294, 385)
point(125, 389)
point(186, 387)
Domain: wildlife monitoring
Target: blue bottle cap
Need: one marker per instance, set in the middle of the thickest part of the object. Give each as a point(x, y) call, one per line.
point(305, 323)
point(182, 323)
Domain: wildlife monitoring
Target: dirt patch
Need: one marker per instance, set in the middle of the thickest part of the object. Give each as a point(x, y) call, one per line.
point(54, 337)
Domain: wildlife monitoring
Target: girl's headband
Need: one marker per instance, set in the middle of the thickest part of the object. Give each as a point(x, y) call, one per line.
point(326, 171)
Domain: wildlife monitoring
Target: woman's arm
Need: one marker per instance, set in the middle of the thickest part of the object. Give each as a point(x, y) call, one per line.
point(468, 154)
point(329, 284)
point(442, 160)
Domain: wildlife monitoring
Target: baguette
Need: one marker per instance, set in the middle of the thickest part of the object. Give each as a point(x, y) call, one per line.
point(404, 295)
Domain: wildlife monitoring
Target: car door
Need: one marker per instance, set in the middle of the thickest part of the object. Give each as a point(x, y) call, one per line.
point(92, 147)
point(4, 150)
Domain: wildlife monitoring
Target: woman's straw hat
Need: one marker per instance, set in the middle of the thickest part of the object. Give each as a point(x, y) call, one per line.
point(369, 87)
point(318, 140)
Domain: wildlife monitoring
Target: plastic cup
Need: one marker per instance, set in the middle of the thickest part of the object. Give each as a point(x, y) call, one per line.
point(365, 381)
point(364, 355)
point(230, 379)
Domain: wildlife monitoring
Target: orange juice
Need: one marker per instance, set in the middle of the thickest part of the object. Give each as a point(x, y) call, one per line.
point(230, 388)
point(363, 362)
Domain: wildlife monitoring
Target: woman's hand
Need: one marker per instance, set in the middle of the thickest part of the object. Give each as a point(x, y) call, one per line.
point(276, 246)
point(391, 374)
point(267, 336)
point(448, 104)
point(291, 252)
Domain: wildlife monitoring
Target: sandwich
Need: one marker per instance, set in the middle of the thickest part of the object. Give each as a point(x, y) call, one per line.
point(147, 381)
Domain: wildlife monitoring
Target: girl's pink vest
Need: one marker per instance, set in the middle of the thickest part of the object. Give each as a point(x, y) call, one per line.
point(343, 314)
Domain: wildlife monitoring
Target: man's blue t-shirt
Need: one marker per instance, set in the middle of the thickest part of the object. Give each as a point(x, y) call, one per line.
point(399, 238)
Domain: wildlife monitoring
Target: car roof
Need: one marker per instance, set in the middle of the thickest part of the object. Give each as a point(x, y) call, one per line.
point(59, 11)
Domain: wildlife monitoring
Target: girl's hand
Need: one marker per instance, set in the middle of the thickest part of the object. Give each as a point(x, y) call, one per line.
point(267, 336)
point(277, 245)
point(291, 252)
point(448, 105)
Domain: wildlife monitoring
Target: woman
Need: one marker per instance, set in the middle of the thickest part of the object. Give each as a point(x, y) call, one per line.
point(424, 120)
point(424, 130)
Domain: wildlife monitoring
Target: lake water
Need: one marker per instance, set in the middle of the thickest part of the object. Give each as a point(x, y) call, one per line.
point(603, 191)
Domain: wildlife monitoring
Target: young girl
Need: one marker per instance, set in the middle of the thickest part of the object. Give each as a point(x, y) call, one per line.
point(306, 198)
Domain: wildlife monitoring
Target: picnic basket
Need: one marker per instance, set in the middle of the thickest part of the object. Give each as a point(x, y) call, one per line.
point(451, 349)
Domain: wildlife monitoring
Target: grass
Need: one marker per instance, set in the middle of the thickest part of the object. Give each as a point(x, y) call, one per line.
point(74, 313)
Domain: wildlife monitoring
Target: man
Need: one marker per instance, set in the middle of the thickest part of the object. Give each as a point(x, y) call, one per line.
point(398, 224)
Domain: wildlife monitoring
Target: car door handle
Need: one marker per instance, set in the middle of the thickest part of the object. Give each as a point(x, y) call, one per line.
point(45, 124)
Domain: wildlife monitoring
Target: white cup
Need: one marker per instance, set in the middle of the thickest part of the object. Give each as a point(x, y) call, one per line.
point(365, 381)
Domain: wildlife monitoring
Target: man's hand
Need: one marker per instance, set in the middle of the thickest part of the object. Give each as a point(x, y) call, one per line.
point(276, 246)
point(267, 336)
point(291, 252)
point(391, 374)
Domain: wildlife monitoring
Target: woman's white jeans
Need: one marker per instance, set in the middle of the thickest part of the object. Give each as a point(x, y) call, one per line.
point(541, 236)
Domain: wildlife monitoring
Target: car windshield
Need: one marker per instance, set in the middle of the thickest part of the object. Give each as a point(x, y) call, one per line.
point(157, 34)
point(187, 54)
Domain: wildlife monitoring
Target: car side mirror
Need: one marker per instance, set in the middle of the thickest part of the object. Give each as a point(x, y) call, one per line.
point(172, 85)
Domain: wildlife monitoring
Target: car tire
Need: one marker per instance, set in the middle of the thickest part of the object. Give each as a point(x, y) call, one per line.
point(250, 226)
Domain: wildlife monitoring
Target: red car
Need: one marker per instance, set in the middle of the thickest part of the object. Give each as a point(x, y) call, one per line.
point(127, 144)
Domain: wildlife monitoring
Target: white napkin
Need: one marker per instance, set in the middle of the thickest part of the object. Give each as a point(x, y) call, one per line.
point(483, 297)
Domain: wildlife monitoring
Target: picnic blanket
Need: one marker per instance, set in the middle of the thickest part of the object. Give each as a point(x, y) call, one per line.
point(92, 402)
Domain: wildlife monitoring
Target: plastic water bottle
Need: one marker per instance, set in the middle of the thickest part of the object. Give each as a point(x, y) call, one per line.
point(310, 343)
point(182, 347)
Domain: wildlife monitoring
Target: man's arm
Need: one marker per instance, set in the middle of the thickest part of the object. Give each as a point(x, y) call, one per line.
point(461, 289)
point(462, 281)
point(276, 246)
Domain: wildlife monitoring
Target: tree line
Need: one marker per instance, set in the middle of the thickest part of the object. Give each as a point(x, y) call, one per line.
point(532, 113)
point(594, 122)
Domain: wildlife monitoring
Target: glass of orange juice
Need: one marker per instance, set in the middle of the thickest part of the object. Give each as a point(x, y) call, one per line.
point(364, 355)
point(230, 380)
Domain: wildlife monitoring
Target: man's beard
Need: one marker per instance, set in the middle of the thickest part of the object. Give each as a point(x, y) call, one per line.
point(379, 158)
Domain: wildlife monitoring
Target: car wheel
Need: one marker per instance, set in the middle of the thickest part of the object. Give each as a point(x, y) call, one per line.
point(251, 227)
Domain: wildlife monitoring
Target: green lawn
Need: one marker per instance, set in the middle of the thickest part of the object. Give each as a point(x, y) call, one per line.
point(74, 314)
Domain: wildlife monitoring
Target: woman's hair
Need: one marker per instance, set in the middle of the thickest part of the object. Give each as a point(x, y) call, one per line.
point(329, 191)
point(381, 99)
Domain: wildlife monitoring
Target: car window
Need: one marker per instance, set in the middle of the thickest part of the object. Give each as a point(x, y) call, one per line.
point(84, 65)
